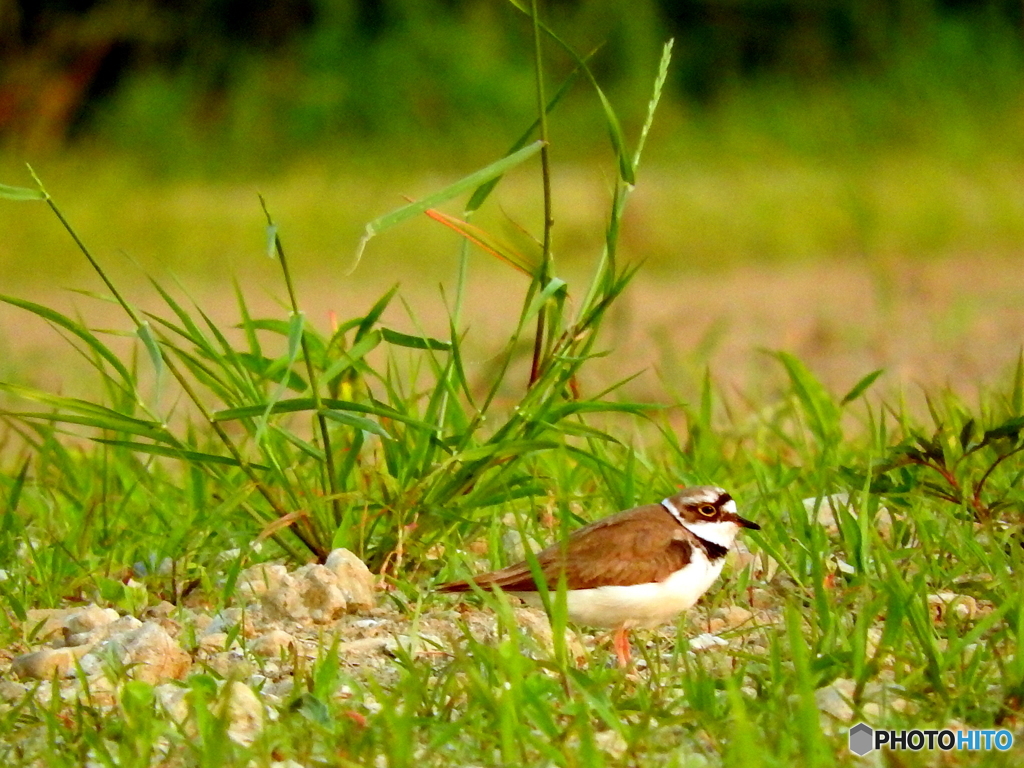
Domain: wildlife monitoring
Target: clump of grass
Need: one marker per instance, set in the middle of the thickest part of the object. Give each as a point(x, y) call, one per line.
point(318, 438)
point(957, 459)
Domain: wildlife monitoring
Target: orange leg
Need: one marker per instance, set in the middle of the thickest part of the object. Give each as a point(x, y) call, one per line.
point(620, 641)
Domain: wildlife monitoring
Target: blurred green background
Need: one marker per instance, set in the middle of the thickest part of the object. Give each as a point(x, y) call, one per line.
point(794, 130)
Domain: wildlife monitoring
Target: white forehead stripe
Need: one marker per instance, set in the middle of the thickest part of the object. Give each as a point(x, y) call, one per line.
point(672, 510)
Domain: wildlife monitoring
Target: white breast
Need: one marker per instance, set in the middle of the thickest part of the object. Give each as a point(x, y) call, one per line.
point(641, 605)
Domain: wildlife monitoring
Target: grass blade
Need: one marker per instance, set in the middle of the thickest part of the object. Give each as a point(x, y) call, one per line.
point(20, 193)
point(473, 180)
point(861, 386)
point(177, 453)
point(79, 330)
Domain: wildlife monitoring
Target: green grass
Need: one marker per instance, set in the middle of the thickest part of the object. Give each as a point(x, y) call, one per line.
point(717, 192)
point(918, 161)
point(206, 436)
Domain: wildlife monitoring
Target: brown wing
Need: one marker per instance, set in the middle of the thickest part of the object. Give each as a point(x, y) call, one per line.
point(638, 546)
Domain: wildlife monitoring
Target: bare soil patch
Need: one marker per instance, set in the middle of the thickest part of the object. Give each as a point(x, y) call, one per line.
point(956, 322)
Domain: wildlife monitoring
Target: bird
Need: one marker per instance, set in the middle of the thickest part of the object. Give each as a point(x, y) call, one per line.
point(633, 569)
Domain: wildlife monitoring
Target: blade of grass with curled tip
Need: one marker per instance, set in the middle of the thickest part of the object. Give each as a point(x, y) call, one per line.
point(485, 241)
point(473, 180)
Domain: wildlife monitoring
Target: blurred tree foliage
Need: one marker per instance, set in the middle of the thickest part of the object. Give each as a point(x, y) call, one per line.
point(164, 75)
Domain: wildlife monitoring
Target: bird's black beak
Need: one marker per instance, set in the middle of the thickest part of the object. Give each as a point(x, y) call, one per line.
point(748, 523)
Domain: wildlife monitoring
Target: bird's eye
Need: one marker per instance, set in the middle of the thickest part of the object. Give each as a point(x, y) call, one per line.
point(707, 510)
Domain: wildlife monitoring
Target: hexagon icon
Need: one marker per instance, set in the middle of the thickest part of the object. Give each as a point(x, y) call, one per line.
point(862, 739)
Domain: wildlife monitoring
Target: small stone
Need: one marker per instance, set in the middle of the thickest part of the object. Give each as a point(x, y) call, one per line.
point(256, 681)
point(512, 545)
point(479, 547)
point(316, 593)
point(844, 567)
point(741, 556)
point(734, 616)
point(88, 618)
point(280, 689)
point(170, 626)
point(962, 606)
point(715, 625)
point(257, 580)
point(150, 654)
point(162, 610)
point(835, 699)
point(229, 555)
point(310, 594)
point(45, 623)
point(414, 645)
point(173, 700)
point(11, 691)
point(612, 743)
point(230, 664)
point(121, 626)
point(356, 580)
point(45, 663)
point(273, 644)
point(366, 645)
point(228, 620)
point(213, 642)
point(535, 624)
point(828, 513)
point(705, 640)
point(244, 711)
